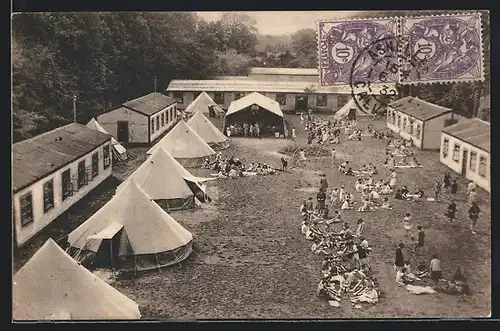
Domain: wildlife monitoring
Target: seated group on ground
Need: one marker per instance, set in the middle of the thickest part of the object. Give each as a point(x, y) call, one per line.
point(404, 194)
point(233, 167)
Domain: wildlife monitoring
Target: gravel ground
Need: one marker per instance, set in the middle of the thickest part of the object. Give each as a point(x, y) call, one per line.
point(251, 261)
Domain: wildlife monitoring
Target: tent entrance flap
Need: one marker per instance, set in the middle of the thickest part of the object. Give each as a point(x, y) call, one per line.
point(198, 192)
point(108, 245)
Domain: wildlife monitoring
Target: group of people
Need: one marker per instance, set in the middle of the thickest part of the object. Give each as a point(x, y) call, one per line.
point(232, 167)
point(246, 130)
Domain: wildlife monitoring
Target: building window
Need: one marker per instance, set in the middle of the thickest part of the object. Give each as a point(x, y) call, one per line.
point(342, 100)
point(473, 161)
point(158, 122)
point(456, 152)
point(321, 100)
point(179, 97)
point(219, 98)
point(152, 125)
point(95, 164)
point(106, 156)
point(67, 186)
point(418, 130)
point(411, 125)
point(281, 98)
point(389, 115)
point(48, 195)
point(237, 95)
point(398, 118)
point(403, 124)
point(26, 209)
point(162, 119)
point(446, 147)
point(482, 166)
point(82, 174)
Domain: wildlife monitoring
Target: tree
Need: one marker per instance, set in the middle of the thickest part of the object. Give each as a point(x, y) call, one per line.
point(305, 48)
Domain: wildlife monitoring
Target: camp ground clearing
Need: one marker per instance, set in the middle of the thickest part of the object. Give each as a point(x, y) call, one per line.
point(251, 261)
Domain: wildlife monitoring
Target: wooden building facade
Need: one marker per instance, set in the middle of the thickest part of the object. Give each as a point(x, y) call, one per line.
point(53, 171)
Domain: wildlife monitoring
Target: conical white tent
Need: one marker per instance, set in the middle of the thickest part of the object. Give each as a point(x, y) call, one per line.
point(350, 111)
point(200, 104)
point(53, 286)
point(206, 130)
point(168, 182)
point(131, 232)
point(185, 145)
point(119, 151)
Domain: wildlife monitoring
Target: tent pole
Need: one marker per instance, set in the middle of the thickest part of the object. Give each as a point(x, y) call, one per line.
point(135, 265)
point(158, 263)
point(111, 250)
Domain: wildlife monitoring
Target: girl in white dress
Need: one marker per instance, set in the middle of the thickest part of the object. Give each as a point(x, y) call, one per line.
point(408, 226)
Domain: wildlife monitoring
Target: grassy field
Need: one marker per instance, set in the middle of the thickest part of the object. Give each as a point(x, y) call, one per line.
point(251, 261)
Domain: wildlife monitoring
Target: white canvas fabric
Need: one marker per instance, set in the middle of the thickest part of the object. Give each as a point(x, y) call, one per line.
point(344, 111)
point(53, 286)
point(119, 149)
point(150, 230)
point(257, 99)
point(185, 145)
point(206, 130)
point(162, 177)
point(200, 104)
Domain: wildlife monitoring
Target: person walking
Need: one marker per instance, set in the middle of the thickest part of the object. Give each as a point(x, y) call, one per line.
point(251, 130)
point(245, 129)
point(321, 199)
point(454, 187)
point(284, 163)
point(294, 133)
point(474, 215)
point(334, 153)
point(437, 190)
point(435, 269)
point(451, 211)
point(257, 130)
point(323, 183)
point(399, 260)
point(447, 180)
point(419, 248)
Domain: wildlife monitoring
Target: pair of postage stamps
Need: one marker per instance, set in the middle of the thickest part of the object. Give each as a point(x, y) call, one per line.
point(373, 55)
point(403, 50)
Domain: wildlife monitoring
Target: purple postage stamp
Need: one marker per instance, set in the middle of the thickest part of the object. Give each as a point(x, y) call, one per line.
point(445, 48)
point(343, 43)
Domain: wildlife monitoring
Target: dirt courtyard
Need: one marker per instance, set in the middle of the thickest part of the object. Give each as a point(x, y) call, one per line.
point(251, 261)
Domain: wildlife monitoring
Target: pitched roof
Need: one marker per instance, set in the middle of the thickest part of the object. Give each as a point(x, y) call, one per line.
point(150, 230)
point(253, 85)
point(344, 111)
point(183, 143)
point(257, 99)
point(285, 71)
point(205, 129)
point(200, 104)
point(150, 176)
point(150, 104)
point(472, 131)
point(52, 283)
point(419, 108)
point(38, 157)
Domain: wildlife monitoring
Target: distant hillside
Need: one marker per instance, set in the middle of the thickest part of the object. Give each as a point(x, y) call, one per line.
point(264, 40)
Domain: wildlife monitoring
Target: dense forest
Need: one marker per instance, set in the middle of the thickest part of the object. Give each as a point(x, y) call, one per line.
point(107, 58)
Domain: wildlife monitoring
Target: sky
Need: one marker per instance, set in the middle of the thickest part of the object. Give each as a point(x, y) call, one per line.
point(283, 22)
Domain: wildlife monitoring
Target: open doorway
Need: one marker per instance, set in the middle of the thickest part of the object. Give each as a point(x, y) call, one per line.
point(301, 102)
point(464, 161)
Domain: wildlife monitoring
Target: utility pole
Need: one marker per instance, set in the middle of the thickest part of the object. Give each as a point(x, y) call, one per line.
point(155, 83)
point(74, 108)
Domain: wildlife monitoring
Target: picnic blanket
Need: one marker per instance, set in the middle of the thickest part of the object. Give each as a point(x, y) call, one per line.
point(416, 289)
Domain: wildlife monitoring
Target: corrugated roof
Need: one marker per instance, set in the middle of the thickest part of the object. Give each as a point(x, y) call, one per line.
point(252, 85)
point(150, 104)
point(473, 131)
point(257, 99)
point(419, 108)
point(285, 71)
point(39, 156)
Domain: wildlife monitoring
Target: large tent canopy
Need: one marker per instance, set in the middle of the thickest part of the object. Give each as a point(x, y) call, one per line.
point(185, 145)
point(206, 130)
point(167, 182)
point(350, 111)
point(134, 230)
point(255, 108)
point(119, 151)
point(204, 104)
point(51, 286)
